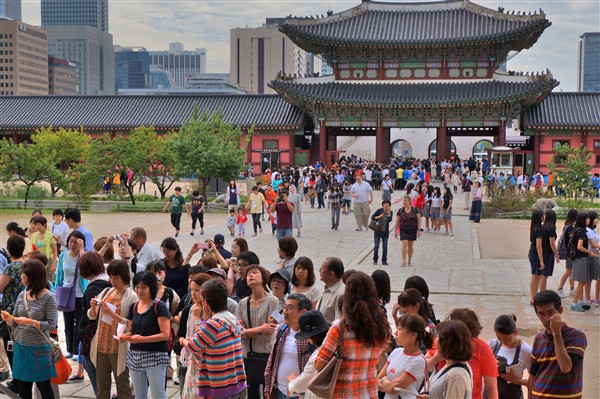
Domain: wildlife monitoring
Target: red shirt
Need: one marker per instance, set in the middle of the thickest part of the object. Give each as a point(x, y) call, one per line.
point(483, 363)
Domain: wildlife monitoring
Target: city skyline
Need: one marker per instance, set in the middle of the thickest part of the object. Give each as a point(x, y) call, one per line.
point(154, 24)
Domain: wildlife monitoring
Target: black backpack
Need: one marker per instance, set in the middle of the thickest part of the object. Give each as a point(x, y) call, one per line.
point(563, 243)
point(572, 247)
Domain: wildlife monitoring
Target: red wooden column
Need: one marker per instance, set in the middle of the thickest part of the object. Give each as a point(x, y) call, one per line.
point(501, 138)
point(379, 145)
point(442, 150)
point(536, 151)
point(323, 143)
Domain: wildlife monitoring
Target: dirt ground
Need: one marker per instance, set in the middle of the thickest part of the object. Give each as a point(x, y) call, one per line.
point(515, 238)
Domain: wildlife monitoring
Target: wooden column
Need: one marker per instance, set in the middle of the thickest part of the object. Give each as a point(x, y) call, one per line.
point(323, 143)
point(292, 149)
point(501, 138)
point(379, 145)
point(536, 151)
point(443, 149)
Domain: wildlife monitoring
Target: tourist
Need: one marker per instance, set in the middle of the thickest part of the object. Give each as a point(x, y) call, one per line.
point(104, 247)
point(455, 180)
point(240, 221)
point(408, 227)
point(383, 287)
point(436, 206)
point(536, 235)
point(295, 199)
point(406, 366)
point(386, 185)
point(60, 229)
point(287, 248)
point(146, 252)
point(283, 210)
point(455, 348)
point(289, 354)
point(483, 362)
point(232, 195)
point(13, 229)
point(91, 268)
point(331, 273)
point(279, 284)
point(466, 184)
point(65, 277)
point(147, 332)
point(321, 188)
point(303, 280)
point(44, 240)
point(420, 284)
point(197, 203)
point(567, 234)
point(411, 301)
point(256, 203)
point(581, 270)
point(549, 250)
point(594, 261)
point(164, 293)
point(475, 214)
point(241, 289)
point(254, 313)
point(347, 197)
point(34, 316)
point(176, 272)
point(218, 338)
point(446, 212)
point(557, 355)
point(335, 204)
point(386, 215)
point(107, 354)
point(427, 210)
point(516, 354)
point(231, 220)
point(177, 204)
point(364, 336)
point(363, 196)
point(73, 220)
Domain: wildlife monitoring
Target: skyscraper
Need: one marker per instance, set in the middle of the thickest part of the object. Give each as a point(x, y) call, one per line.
point(132, 68)
point(92, 13)
point(180, 63)
point(588, 73)
point(10, 9)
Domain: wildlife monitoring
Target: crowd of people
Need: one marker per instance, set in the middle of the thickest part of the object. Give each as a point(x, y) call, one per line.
point(222, 325)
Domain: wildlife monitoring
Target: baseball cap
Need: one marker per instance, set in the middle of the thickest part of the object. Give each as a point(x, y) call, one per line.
point(219, 272)
point(311, 323)
point(219, 239)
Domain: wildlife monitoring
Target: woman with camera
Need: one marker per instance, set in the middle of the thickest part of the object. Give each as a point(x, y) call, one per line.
point(176, 272)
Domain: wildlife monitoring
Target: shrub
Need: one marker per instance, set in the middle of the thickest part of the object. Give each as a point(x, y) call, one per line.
point(35, 192)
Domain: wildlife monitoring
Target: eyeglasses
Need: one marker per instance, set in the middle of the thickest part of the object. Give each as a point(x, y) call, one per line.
point(242, 264)
point(289, 308)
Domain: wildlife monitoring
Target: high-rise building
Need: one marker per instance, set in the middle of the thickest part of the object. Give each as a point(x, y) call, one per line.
point(62, 77)
point(23, 59)
point(180, 63)
point(93, 51)
point(132, 68)
point(588, 73)
point(92, 13)
point(10, 9)
point(259, 54)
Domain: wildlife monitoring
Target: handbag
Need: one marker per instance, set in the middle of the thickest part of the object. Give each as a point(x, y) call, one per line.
point(323, 382)
point(376, 225)
point(65, 296)
point(61, 364)
point(254, 363)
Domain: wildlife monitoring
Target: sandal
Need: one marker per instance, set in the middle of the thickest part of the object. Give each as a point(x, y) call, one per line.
point(410, 265)
point(403, 265)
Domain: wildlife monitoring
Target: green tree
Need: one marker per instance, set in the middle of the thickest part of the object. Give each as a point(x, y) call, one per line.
point(208, 147)
point(25, 163)
point(66, 149)
point(572, 170)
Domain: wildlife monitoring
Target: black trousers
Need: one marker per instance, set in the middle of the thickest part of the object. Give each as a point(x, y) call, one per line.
point(71, 327)
point(256, 221)
point(197, 217)
point(321, 200)
point(25, 389)
point(176, 220)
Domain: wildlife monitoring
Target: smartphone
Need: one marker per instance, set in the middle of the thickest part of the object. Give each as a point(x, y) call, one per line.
point(203, 245)
point(9, 346)
point(116, 237)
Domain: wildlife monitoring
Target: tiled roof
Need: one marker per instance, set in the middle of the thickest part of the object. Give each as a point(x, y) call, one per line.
point(388, 24)
point(565, 111)
point(126, 112)
point(413, 94)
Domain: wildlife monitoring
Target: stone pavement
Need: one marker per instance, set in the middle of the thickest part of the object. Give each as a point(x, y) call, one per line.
point(452, 266)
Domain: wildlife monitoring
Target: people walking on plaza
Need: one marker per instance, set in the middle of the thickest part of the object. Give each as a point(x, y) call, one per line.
point(466, 185)
point(107, 354)
point(476, 204)
point(386, 188)
point(359, 338)
point(427, 210)
point(536, 235)
point(197, 203)
point(581, 270)
point(335, 204)
point(230, 219)
point(567, 235)
point(240, 221)
point(446, 211)
point(256, 203)
point(557, 353)
point(303, 280)
point(294, 198)
point(362, 193)
point(347, 197)
point(259, 333)
point(321, 188)
point(177, 204)
point(517, 353)
point(386, 215)
point(232, 195)
point(283, 209)
point(549, 250)
point(408, 227)
point(331, 273)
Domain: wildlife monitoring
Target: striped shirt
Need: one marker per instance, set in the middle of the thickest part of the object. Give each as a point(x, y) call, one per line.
point(217, 345)
point(43, 310)
point(549, 381)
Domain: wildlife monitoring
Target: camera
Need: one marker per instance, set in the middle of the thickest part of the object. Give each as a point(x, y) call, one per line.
point(159, 279)
point(115, 236)
point(9, 346)
point(502, 364)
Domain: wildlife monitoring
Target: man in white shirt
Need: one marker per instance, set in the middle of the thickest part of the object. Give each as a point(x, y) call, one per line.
point(362, 192)
point(146, 253)
point(331, 273)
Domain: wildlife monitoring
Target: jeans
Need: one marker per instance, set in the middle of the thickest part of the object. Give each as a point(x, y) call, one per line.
point(256, 222)
point(90, 369)
point(156, 377)
point(281, 395)
point(335, 217)
point(384, 238)
point(321, 200)
point(284, 233)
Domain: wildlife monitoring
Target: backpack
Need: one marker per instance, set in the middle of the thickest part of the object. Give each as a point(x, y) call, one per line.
point(572, 247)
point(562, 246)
point(171, 339)
point(506, 389)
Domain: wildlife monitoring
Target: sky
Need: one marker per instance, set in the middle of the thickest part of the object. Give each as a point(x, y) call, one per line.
point(154, 24)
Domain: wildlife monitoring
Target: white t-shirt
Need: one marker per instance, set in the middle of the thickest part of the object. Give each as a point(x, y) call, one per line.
point(362, 191)
point(414, 365)
point(61, 229)
point(509, 355)
point(436, 202)
point(288, 363)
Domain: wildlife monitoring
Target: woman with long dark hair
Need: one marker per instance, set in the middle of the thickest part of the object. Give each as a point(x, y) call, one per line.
point(581, 272)
point(303, 280)
point(594, 262)
point(446, 212)
point(549, 250)
point(536, 233)
point(568, 229)
point(232, 195)
point(365, 332)
point(408, 227)
point(476, 203)
point(176, 272)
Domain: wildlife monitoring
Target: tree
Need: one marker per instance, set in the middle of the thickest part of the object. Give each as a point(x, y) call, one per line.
point(28, 163)
point(66, 149)
point(572, 170)
point(207, 147)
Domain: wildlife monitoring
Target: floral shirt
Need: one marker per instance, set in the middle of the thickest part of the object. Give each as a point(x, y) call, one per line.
point(14, 287)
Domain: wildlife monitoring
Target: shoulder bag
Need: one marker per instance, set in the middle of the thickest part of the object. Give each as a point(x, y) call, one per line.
point(376, 224)
point(65, 296)
point(254, 363)
point(324, 381)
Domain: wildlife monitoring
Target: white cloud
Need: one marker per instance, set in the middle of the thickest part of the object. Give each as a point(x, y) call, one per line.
point(154, 24)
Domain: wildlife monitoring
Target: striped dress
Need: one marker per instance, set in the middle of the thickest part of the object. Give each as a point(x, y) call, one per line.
point(218, 347)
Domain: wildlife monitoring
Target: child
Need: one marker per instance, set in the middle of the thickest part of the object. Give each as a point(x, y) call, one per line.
point(230, 219)
point(240, 221)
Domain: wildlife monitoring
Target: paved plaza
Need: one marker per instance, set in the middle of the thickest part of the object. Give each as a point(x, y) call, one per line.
point(452, 266)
